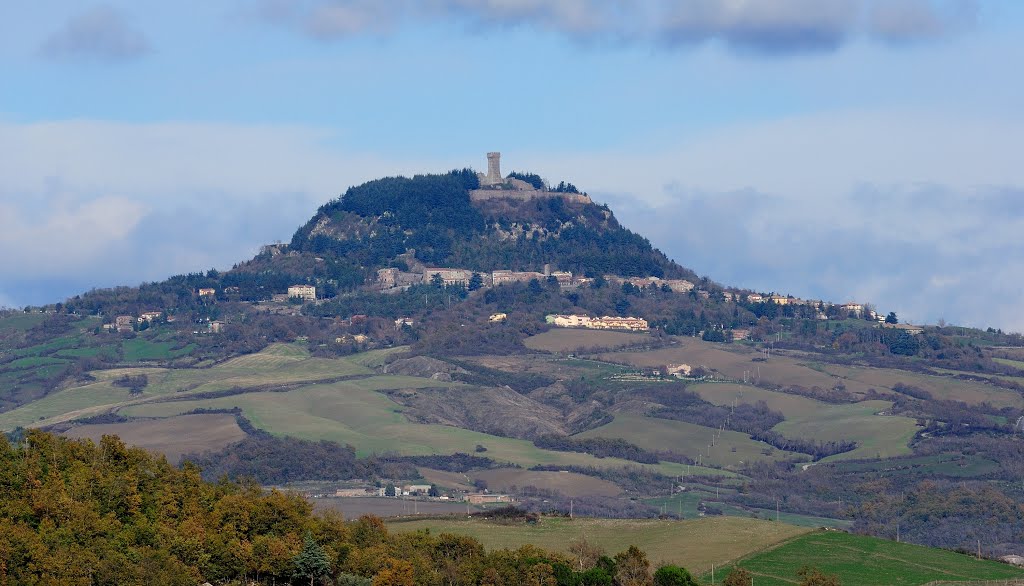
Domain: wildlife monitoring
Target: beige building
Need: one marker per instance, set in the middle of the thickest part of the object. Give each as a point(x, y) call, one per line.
point(207, 292)
point(678, 370)
point(607, 322)
point(484, 498)
point(150, 316)
point(497, 317)
point(499, 277)
point(449, 276)
point(306, 292)
point(124, 323)
point(679, 285)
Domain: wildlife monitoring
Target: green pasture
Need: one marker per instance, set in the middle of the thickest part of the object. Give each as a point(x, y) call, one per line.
point(882, 436)
point(941, 387)
point(731, 450)
point(866, 561)
point(726, 393)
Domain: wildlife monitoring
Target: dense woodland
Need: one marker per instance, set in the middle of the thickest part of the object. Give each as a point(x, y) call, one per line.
point(75, 513)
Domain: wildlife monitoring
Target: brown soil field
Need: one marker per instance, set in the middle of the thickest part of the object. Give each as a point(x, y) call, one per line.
point(173, 436)
point(572, 339)
point(445, 479)
point(567, 483)
point(733, 360)
point(355, 507)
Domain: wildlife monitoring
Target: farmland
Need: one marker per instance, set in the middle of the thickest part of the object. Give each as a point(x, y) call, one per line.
point(867, 561)
point(573, 339)
point(731, 450)
point(877, 435)
point(694, 544)
point(353, 412)
point(173, 436)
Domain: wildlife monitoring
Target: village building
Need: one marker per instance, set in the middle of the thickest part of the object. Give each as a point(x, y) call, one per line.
point(497, 317)
point(678, 285)
point(412, 489)
point(910, 329)
point(207, 292)
point(678, 370)
point(499, 277)
point(854, 308)
point(216, 327)
point(124, 323)
point(403, 321)
point(598, 323)
point(486, 498)
point(149, 316)
point(740, 334)
point(305, 292)
point(449, 276)
point(754, 298)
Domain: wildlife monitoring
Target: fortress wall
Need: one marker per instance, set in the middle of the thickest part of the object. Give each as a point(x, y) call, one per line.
point(524, 195)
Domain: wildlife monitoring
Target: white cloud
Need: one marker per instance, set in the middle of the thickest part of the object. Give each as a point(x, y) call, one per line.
point(780, 26)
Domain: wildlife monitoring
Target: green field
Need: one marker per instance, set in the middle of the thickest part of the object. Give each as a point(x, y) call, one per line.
point(140, 349)
point(353, 412)
point(731, 450)
point(941, 387)
point(278, 364)
point(694, 544)
point(787, 404)
point(866, 561)
point(953, 465)
point(878, 435)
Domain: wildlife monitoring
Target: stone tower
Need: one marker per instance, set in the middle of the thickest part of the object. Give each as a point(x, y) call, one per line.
point(493, 169)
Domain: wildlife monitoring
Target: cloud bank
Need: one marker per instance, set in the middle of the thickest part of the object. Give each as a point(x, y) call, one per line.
point(100, 33)
point(776, 27)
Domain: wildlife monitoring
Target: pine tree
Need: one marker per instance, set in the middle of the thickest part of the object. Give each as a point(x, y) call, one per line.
point(312, 562)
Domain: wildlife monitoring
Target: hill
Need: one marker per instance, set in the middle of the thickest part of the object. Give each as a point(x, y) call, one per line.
point(419, 335)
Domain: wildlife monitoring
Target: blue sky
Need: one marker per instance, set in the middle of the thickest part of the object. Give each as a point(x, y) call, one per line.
point(840, 149)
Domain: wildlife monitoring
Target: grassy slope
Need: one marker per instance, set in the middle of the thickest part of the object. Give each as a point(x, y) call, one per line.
point(353, 412)
point(694, 544)
point(278, 364)
point(689, 439)
point(878, 435)
point(867, 561)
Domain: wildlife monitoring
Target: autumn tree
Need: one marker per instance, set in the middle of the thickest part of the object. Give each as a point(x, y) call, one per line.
point(632, 568)
point(814, 577)
point(738, 577)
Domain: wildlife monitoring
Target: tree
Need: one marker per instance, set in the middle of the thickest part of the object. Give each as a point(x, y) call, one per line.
point(436, 280)
point(395, 573)
point(476, 282)
point(312, 562)
point(433, 491)
point(814, 577)
point(632, 567)
point(390, 490)
point(891, 318)
point(738, 577)
point(670, 575)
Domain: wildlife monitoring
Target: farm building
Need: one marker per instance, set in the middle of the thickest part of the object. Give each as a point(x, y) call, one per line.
point(485, 498)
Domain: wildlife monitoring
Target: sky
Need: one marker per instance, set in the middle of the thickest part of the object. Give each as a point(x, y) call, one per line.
point(846, 150)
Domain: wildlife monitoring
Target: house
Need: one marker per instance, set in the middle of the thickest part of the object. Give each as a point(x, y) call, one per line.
point(124, 323)
point(497, 317)
point(754, 298)
point(854, 308)
point(564, 278)
point(448, 276)
point(910, 329)
point(149, 316)
point(1013, 560)
point(678, 370)
point(484, 498)
point(780, 299)
point(207, 292)
point(416, 488)
point(216, 327)
point(678, 285)
point(305, 292)
point(499, 277)
point(739, 334)
point(403, 321)
point(387, 277)
point(619, 323)
point(568, 321)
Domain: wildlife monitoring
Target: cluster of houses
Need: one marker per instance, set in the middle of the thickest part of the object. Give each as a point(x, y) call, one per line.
point(129, 323)
point(608, 322)
point(421, 491)
point(393, 278)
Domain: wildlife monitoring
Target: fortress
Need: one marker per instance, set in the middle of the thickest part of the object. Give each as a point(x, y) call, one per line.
point(494, 186)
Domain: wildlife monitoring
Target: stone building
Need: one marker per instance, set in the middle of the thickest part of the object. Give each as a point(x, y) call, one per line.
point(306, 292)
